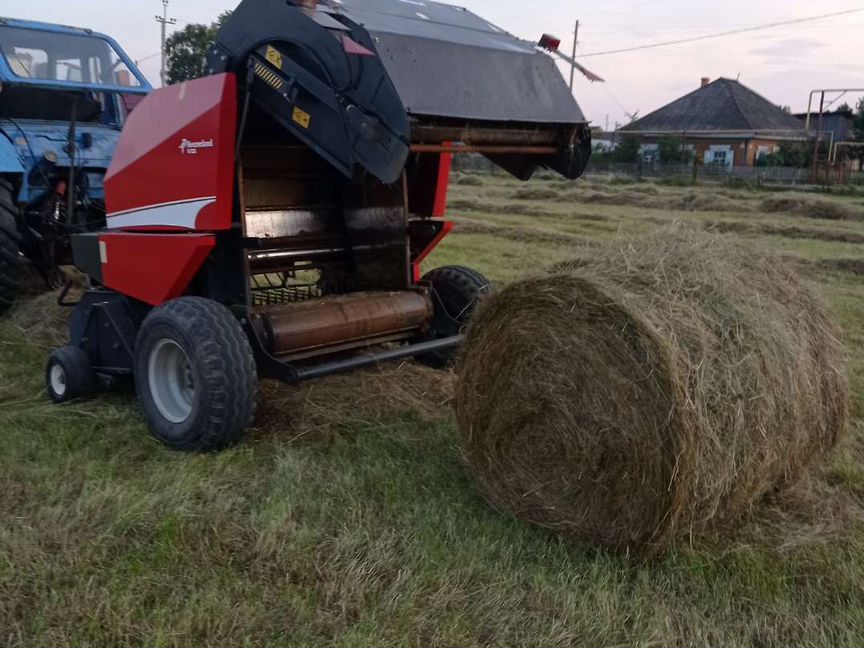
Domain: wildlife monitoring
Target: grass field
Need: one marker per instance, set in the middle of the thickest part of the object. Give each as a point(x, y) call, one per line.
point(347, 519)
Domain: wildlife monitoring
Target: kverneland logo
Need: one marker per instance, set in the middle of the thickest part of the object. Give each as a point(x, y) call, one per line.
point(189, 147)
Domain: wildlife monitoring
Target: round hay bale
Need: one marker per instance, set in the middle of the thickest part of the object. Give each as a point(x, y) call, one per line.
point(653, 392)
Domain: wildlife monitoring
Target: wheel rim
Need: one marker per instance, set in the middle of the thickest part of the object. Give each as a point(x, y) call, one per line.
point(172, 384)
point(58, 380)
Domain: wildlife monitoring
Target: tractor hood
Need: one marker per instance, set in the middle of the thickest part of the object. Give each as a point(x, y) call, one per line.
point(367, 82)
point(33, 139)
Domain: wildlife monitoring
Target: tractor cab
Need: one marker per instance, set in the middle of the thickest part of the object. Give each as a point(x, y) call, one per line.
point(64, 97)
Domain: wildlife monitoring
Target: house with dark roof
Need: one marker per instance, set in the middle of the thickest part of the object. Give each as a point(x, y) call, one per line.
point(722, 123)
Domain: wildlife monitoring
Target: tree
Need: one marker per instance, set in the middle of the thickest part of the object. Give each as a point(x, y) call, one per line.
point(671, 150)
point(187, 50)
point(628, 150)
point(858, 128)
point(858, 121)
point(793, 154)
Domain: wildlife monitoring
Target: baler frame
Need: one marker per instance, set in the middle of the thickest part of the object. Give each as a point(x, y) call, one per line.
point(270, 220)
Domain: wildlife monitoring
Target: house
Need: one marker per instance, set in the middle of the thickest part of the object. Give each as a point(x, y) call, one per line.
point(723, 123)
point(837, 124)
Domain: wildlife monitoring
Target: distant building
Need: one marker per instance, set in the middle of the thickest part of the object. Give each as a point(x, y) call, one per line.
point(723, 123)
point(837, 123)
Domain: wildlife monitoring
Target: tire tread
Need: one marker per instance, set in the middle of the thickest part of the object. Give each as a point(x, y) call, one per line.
point(228, 367)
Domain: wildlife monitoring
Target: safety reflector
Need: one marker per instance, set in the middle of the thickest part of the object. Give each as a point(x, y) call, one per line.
point(353, 47)
point(550, 42)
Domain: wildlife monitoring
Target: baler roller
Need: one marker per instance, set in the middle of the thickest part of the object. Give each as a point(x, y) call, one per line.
point(344, 322)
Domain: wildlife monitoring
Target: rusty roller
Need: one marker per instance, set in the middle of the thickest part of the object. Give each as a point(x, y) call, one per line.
point(343, 322)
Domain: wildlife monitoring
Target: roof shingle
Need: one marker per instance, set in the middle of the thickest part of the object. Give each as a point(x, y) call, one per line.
point(723, 106)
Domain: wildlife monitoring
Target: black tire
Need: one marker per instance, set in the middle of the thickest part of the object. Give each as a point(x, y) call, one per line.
point(69, 375)
point(456, 293)
point(11, 266)
point(195, 375)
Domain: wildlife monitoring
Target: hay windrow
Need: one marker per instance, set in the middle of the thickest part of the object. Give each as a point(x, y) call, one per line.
point(811, 207)
point(791, 232)
point(652, 393)
point(690, 201)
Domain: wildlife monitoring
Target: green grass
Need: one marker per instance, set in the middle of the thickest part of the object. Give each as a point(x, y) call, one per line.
point(347, 519)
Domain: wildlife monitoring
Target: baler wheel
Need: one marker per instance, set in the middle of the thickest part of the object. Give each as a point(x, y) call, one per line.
point(456, 293)
point(10, 260)
point(69, 375)
point(195, 375)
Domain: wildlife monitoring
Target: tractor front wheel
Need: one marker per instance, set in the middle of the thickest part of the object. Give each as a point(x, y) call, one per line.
point(10, 260)
point(456, 291)
point(195, 375)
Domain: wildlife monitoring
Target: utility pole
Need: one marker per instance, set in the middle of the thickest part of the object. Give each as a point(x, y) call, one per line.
point(573, 67)
point(816, 146)
point(164, 20)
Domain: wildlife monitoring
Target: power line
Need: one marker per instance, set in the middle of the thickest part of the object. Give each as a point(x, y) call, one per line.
point(147, 58)
point(732, 32)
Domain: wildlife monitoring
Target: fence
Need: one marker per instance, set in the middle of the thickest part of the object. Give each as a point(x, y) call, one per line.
point(677, 174)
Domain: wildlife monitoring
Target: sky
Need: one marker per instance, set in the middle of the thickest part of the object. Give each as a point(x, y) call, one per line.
point(783, 64)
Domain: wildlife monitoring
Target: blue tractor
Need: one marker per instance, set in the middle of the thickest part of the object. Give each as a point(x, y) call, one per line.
point(64, 94)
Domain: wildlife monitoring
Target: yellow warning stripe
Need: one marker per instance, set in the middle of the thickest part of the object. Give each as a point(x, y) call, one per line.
point(269, 77)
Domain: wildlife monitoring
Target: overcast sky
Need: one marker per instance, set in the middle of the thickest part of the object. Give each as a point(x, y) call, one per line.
point(783, 63)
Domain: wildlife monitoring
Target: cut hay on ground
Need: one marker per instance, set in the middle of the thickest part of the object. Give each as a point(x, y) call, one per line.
point(651, 394)
point(467, 180)
point(811, 207)
point(519, 234)
point(691, 201)
point(38, 316)
point(791, 232)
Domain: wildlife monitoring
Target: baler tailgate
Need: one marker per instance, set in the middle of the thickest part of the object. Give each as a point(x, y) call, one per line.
point(364, 83)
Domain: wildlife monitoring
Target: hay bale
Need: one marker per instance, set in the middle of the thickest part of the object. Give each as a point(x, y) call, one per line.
point(652, 392)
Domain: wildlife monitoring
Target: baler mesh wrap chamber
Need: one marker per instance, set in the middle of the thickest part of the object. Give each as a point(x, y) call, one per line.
point(367, 82)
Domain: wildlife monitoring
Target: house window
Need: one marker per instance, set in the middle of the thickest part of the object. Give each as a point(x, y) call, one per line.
point(650, 153)
point(722, 156)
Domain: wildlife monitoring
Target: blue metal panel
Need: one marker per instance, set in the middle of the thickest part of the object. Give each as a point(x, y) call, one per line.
point(31, 140)
point(8, 76)
point(9, 162)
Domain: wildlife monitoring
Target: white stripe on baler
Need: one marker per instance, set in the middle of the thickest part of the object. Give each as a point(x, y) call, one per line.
point(174, 214)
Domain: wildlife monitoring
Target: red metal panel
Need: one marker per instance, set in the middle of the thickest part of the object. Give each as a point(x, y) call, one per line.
point(445, 164)
point(416, 268)
point(174, 163)
point(153, 268)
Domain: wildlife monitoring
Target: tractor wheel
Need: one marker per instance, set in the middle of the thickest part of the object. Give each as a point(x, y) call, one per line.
point(195, 375)
point(10, 260)
point(69, 375)
point(456, 292)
